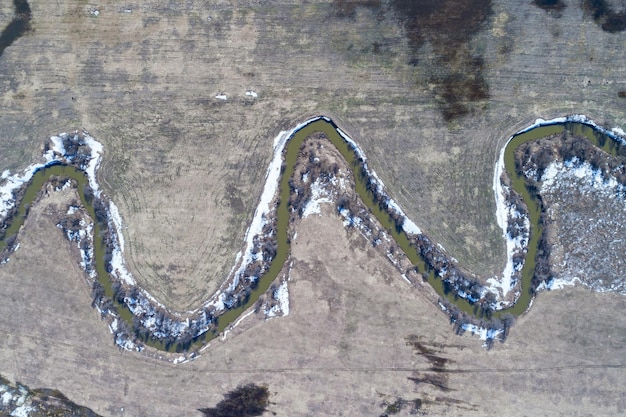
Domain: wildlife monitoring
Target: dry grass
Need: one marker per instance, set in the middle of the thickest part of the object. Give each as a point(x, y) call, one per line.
point(187, 169)
point(357, 338)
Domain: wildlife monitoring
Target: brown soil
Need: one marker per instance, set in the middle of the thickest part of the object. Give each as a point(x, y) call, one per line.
point(186, 170)
point(357, 338)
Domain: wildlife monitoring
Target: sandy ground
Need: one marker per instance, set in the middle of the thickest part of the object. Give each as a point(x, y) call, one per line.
point(342, 350)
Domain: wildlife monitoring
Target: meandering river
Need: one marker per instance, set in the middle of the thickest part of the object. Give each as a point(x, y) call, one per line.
point(599, 137)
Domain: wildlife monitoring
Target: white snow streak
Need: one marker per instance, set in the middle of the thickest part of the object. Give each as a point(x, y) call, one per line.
point(558, 283)
point(94, 163)
point(114, 215)
point(504, 284)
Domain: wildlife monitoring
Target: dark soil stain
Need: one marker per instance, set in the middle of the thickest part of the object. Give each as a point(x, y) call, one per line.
point(448, 27)
point(621, 94)
point(458, 90)
point(233, 198)
point(554, 7)
point(461, 405)
point(608, 19)
point(436, 380)
point(18, 26)
point(444, 23)
point(437, 376)
point(438, 363)
point(347, 8)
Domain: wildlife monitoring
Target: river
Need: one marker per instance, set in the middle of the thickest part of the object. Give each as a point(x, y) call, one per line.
point(599, 137)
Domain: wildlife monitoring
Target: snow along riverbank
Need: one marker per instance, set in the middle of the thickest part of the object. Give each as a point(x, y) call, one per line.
point(505, 210)
point(193, 323)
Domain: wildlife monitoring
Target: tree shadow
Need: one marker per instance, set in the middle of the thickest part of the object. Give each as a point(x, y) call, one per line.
point(244, 401)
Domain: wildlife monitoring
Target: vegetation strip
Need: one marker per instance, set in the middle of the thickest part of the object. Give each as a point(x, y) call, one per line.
point(137, 319)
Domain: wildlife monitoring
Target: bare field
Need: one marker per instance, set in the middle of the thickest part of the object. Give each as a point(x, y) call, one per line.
point(343, 350)
point(186, 168)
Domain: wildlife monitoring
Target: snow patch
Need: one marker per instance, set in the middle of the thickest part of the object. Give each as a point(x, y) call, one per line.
point(180, 359)
point(411, 228)
point(557, 170)
point(6, 398)
point(319, 195)
point(17, 397)
point(558, 283)
point(21, 411)
point(13, 183)
point(482, 332)
point(118, 267)
point(57, 145)
point(282, 296)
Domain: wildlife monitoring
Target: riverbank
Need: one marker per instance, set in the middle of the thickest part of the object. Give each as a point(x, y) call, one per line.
point(136, 318)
